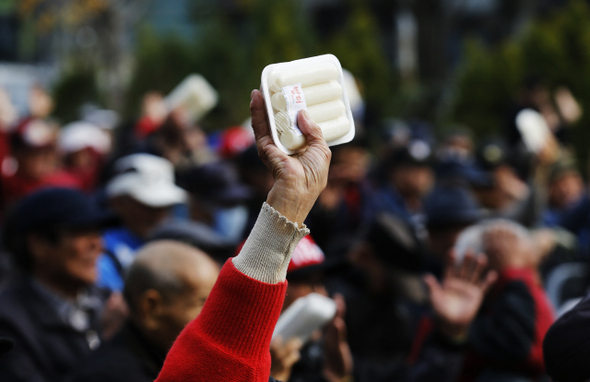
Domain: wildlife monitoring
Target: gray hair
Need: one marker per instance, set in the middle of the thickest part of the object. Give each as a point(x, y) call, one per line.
point(471, 238)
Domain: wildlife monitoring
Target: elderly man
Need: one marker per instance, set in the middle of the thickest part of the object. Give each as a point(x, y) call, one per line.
point(230, 339)
point(166, 287)
point(51, 310)
point(505, 341)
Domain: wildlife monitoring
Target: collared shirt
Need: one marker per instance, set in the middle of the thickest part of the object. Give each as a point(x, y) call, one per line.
point(77, 314)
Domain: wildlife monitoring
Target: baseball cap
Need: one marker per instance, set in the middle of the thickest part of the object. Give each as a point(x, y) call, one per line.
point(566, 164)
point(76, 136)
point(491, 154)
point(394, 242)
point(306, 254)
point(234, 140)
point(33, 133)
point(451, 206)
point(196, 234)
point(417, 153)
point(146, 178)
point(217, 182)
point(61, 207)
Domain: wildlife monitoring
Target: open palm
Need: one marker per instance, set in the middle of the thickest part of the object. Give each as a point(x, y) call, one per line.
point(457, 299)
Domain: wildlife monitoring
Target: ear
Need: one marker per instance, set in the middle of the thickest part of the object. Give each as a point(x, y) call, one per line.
point(149, 309)
point(39, 248)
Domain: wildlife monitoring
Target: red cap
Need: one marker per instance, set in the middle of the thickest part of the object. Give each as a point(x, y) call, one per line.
point(307, 253)
point(234, 140)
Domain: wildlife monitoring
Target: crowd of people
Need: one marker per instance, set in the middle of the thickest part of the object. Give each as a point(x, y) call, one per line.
point(448, 257)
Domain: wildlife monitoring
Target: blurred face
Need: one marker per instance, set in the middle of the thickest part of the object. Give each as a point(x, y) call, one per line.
point(181, 309)
point(296, 290)
point(349, 165)
point(491, 198)
point(36, 163)
point(412, 181)
point(70, 263)
point(566, 190)
point(376, 273)
point(82, 159)
point(137, 217)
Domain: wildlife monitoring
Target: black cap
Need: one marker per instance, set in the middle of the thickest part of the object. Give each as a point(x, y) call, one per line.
point(195, 234)
point(566, 164)
point(457, 171)
point(394, 242)
point(58, 207)
point(491, 154)
point(447, 206)
point(216, 182)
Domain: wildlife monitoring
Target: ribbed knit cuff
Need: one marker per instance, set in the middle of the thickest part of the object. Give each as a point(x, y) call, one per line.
point(266, 254)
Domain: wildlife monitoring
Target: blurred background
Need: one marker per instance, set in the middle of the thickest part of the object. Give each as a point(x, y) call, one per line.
point(464, 110)
point(451, 62)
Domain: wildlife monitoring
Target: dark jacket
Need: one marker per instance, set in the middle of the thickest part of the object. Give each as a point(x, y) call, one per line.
point(128, 357)
point(567, 345)
point(507, 335)
point(45, 347)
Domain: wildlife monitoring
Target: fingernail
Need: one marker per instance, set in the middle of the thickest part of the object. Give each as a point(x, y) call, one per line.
point(252, 93)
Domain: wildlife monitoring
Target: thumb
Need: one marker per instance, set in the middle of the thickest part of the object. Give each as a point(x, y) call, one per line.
point(313, 133)
point(433, 285)
point(340, 305)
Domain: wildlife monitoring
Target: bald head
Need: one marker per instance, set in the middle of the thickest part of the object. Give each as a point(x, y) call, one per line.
point(169, 267)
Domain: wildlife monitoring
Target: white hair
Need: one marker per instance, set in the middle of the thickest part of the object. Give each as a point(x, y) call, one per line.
point(471, 238)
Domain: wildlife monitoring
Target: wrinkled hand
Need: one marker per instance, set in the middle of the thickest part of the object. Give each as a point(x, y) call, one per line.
point(338, 356)
point(457, 300)
point(299, 178)
point(283, 356)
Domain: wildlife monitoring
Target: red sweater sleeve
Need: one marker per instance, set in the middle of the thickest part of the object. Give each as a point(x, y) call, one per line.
point(230, 339)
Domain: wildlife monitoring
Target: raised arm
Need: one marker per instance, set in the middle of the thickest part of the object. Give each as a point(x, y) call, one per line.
point(230, 339)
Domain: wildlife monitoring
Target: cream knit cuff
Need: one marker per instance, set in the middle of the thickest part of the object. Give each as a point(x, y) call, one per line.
point(267, 252)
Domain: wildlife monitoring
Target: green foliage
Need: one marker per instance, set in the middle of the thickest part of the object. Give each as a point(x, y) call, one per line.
point(554, 48)
point(75, 87)
point(358, 47)
point(231, 50)
point(161, 63)
point(486, 85)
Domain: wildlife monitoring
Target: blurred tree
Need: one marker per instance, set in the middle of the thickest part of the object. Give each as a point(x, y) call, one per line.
point(88, 33)
point(160, 64)
point(359, 48)
point(554, 48)
point(74, 88)
point(233, 45)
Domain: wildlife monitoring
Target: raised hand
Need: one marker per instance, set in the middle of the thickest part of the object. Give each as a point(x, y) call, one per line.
point(457, 299)
point(338, 364)
point(299, 178)
point(283, 356)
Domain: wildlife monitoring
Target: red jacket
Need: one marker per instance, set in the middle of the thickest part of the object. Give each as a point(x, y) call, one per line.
point(230, 339)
